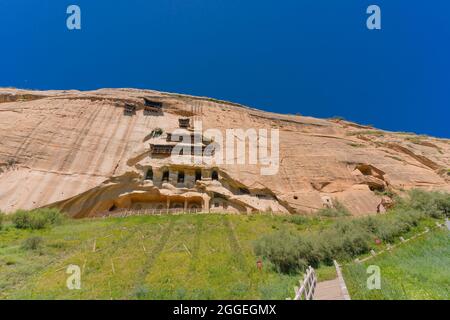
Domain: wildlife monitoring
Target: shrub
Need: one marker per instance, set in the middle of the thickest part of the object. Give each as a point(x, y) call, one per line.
point(297, 219)
point(337, 118)
point(1, 219)
point(28, 220)
point(434, 204)
point(284, 250)
point(291, 253)
point(156, 132)
point(32, 243)
point(339, 210)
point(21, 219)
point(386, 192)
point(36, 219)
point(11, 162)
point(52, 215)
point(376, 133)
point(345, 238)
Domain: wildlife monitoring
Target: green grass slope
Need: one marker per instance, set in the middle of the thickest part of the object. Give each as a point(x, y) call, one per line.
point(147, 257)
point(418, 269)
point(214, 256)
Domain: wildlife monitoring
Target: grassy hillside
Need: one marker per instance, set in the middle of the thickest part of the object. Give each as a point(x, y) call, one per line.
point(419, 269)
point(151, 257)
point(213, 256)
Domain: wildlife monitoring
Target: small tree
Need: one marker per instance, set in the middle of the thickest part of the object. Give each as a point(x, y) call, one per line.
point(156, 132)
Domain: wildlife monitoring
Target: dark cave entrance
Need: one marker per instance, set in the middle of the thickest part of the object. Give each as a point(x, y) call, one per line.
point(165, 177)
point(198, 175)
point(149, 174)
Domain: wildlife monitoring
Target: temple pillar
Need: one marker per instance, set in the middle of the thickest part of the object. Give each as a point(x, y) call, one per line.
point(205, 204)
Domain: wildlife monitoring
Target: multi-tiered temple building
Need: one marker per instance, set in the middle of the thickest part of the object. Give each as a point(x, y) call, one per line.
point(159, 179)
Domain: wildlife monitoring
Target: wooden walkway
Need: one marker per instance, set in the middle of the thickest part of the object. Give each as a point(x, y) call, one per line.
point(332, 289)
point(329, 290)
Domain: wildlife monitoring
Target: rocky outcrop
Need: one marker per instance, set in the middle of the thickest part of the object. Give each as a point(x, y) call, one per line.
point(82, 152)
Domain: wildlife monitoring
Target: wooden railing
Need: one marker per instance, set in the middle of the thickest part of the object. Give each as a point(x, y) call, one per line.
point(389, 246)
point(146, 212)
point(121, 212)
point(307, 286)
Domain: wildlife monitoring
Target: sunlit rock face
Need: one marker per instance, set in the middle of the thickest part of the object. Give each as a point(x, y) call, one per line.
point(106, 151)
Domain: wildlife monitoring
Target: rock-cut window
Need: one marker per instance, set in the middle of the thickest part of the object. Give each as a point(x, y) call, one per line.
point(149, 174)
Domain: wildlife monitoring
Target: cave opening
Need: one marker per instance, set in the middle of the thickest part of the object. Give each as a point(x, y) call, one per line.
point(243, 190)
point(165, 176)
point(180, 176)
point(198, 175)
point(149, 174)
point(215, 175)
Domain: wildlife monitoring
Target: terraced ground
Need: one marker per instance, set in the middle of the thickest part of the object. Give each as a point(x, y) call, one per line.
point(419, 269)
point(146, 257)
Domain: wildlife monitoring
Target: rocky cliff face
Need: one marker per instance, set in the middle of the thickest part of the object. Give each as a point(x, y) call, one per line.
point(82, 152)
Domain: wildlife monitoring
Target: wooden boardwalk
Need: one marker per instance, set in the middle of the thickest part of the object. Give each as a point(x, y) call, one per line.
point(332, 289)
point(329, 290)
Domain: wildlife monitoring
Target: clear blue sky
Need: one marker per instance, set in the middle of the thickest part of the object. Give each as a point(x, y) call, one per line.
point(313, 57)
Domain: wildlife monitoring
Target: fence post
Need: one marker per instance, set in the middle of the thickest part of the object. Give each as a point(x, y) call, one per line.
point(307, 286)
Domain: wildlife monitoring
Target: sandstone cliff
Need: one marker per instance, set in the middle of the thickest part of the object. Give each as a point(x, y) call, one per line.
point(80, 151)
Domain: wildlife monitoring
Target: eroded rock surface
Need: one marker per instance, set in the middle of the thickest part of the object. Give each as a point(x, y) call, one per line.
point(90, 153)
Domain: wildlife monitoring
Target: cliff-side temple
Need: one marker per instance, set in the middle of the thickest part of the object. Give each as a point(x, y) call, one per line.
point(113, 151)
point(161, 185)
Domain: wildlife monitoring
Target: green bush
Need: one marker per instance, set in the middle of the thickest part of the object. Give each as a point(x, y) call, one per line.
point(1, 219)
point(290, 253)
point(37, 219)
point(343, 240)
point(339, 210)
point(52, 215)
point(156, 133)
point(346, 238)
point(435, 204)
point(297, 219)
point(21, 219)
point(32, 243)
point(385, 192)
point(28, 220)
point(287, 252)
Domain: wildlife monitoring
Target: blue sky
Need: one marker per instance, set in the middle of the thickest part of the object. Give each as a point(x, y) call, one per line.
point(312, 57)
